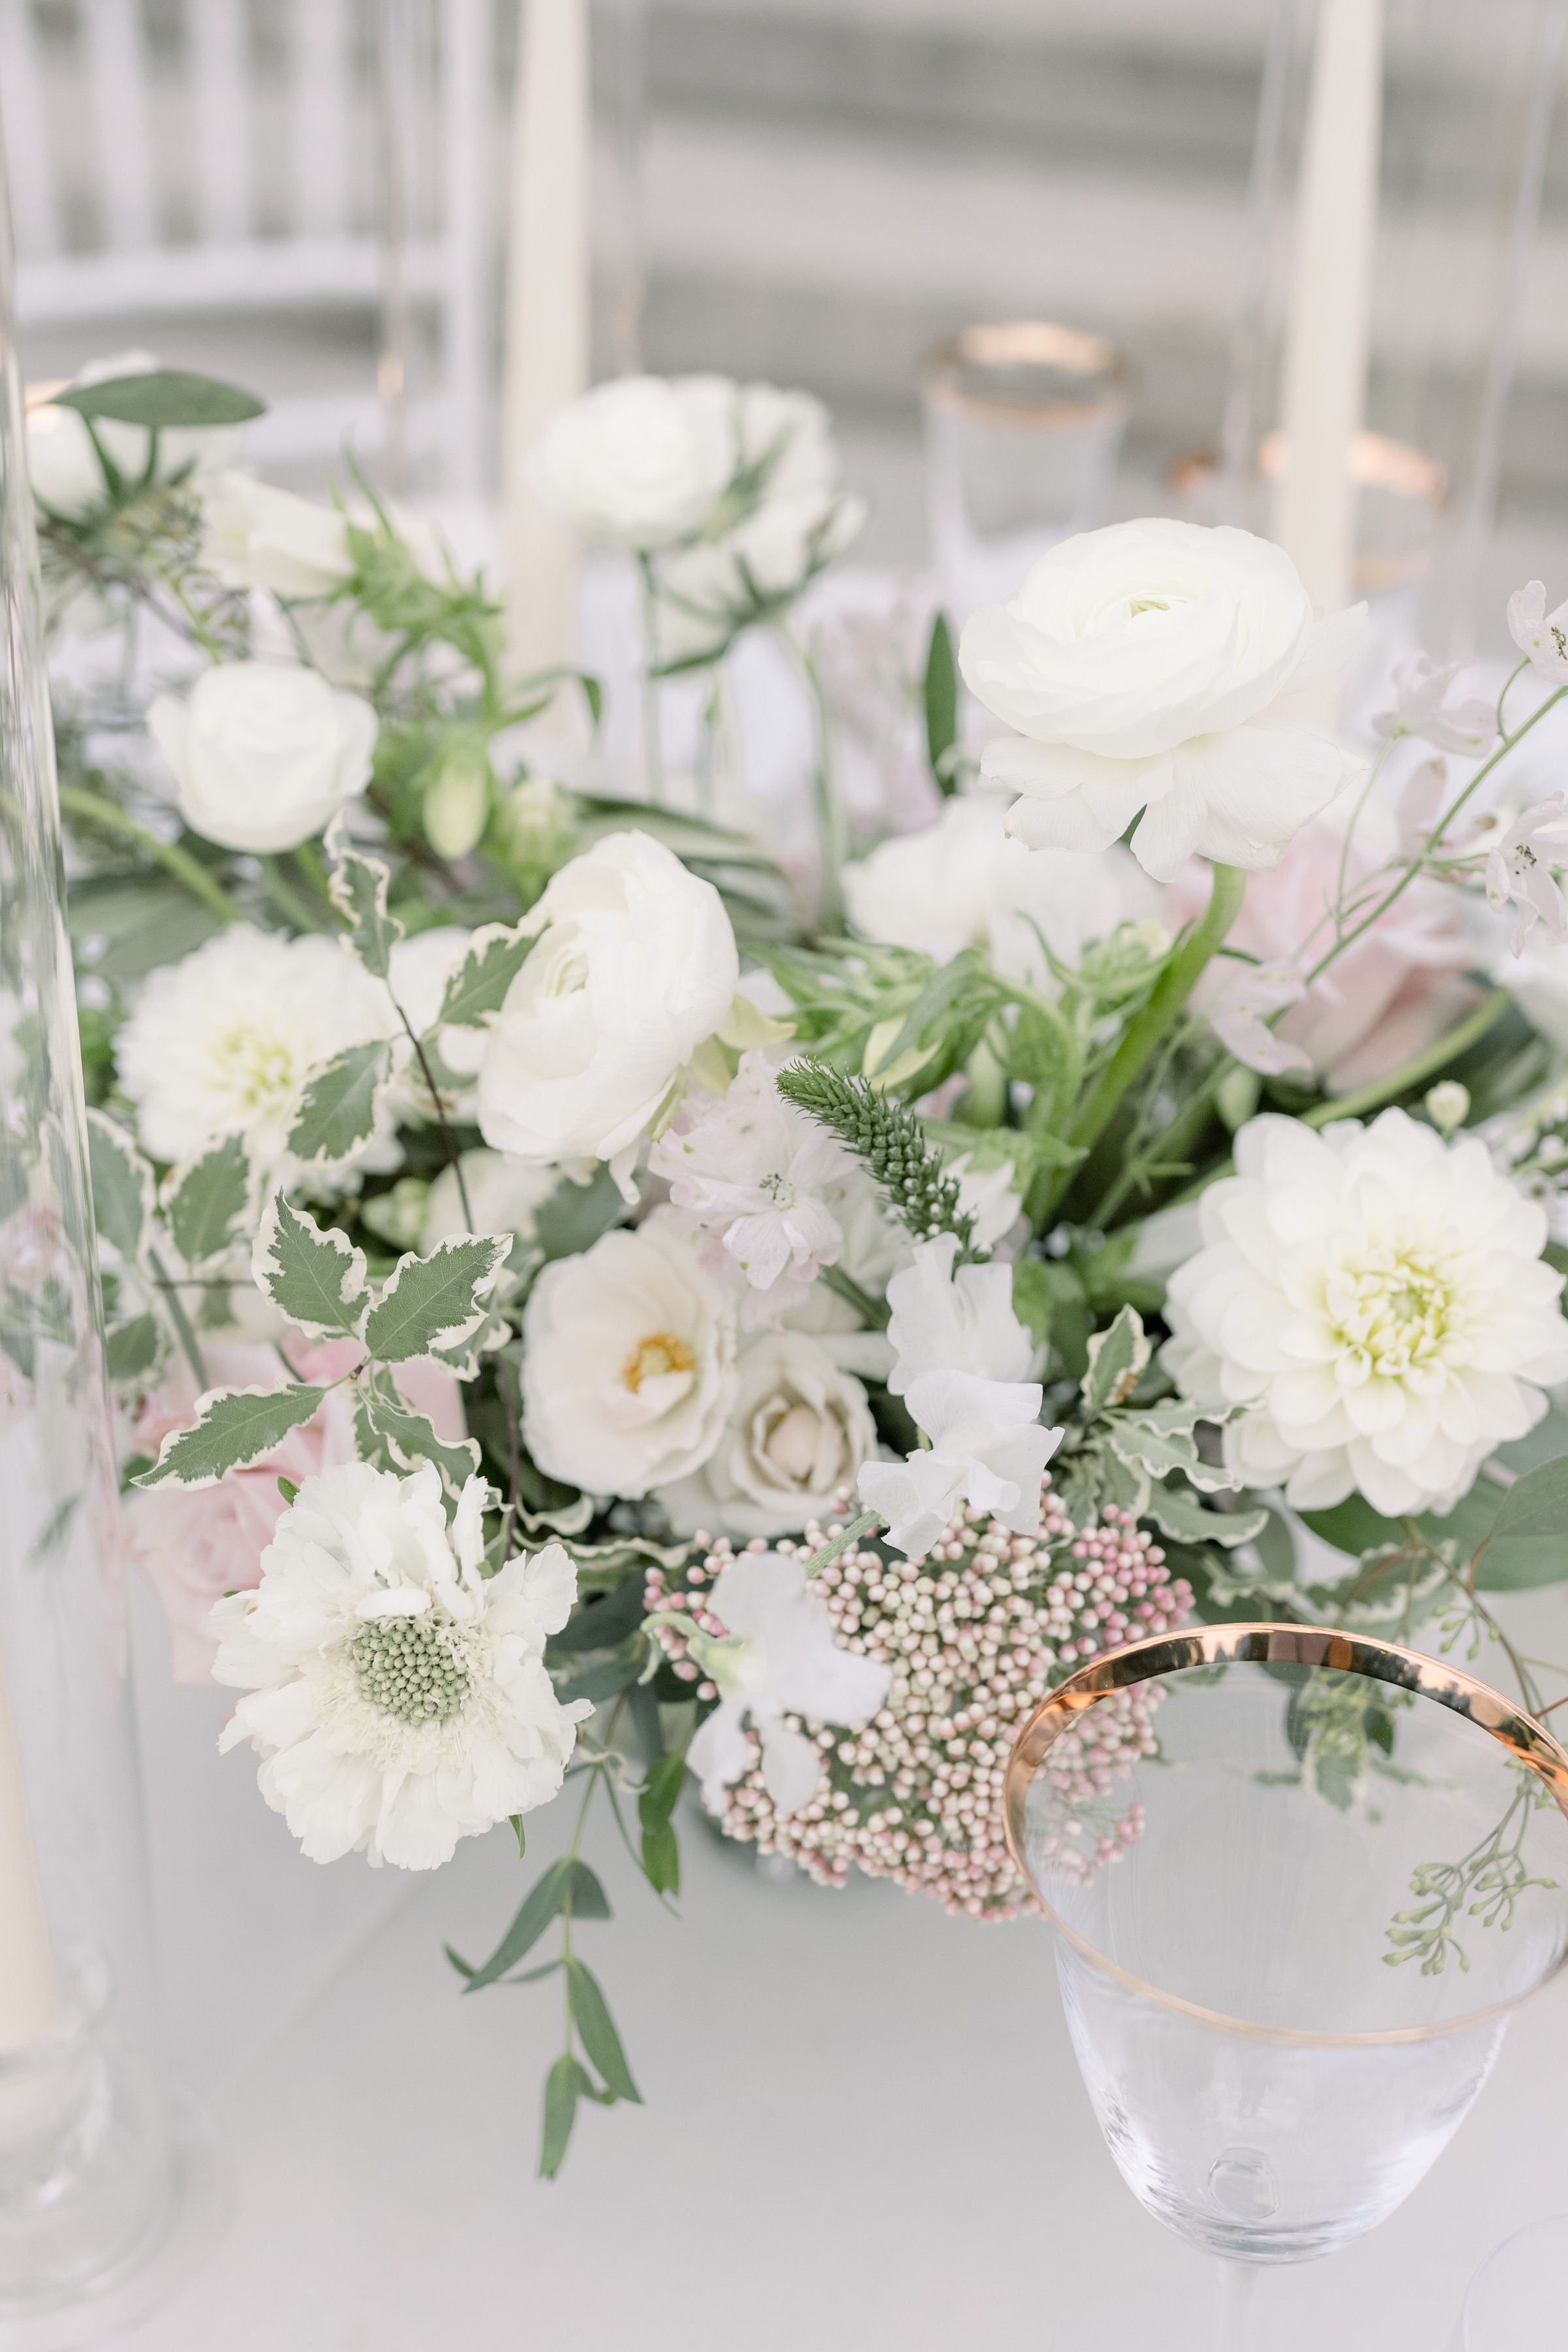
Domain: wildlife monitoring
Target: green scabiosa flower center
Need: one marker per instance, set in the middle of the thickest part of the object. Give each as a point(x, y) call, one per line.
point(405, 1667)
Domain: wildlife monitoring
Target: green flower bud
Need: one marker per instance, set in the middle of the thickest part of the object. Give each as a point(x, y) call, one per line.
point(458, 798)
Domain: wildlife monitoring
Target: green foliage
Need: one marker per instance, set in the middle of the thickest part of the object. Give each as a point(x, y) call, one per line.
point(313, 1275)
point(1485, 1883)
point(163, 399)
point(438, 1306)
point(339, 1105)
point(887, 1011)
point(940, 696)
point(208, 1203)
point(891, 1144)
point(359, 887)
point(121, 1187)
point(566, 2083)
point(1117, 1359)
point(391, 1435)
point(135, 1353)
point(235, 1428)
point(662, 1785)
point(1503, 1564)
point(565, 1882)
point(590, 2016)
point(574, 1216)
point(478, 986)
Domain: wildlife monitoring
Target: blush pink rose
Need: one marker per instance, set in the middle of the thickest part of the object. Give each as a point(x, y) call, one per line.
point(1397, 989)
point(194, 1548)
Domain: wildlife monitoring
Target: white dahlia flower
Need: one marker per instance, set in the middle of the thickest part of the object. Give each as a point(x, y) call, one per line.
point(226, 1038)
point(396, 1697)
point(1138, 665)
point(1373, 1301)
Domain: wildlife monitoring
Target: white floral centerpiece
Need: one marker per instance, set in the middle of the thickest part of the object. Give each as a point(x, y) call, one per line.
point(591, 1305)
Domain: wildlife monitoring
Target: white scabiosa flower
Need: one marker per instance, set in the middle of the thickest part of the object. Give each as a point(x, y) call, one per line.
point(798, 1432)
point(1138, 665)
point(628, 1370)
point(778, 1657)
point(1372, 1304)
point(396, 1697)
point(224, 1039)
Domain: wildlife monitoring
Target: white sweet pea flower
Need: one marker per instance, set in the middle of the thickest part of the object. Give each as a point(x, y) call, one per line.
point(628, 1370)
point(752, 1169)
point(634, 967)
point(1542, 637)
point(264, 754)
point(965, 881)
point(225, 1039)
point(1373, 1301)
point(1520, 871)
point(987, 1449)
point(944, 1321)
point(1243, 997)
point(798, 1431)
point(1138, 665)
point(259, 537)
point(987, 1195)
point(396, 1697)
point(1421, 706)
point(778, 1658)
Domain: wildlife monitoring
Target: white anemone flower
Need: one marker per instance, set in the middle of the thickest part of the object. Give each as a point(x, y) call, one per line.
point(1371, 1308)
point(778, 1657)
point(396, 1697)
point(1422, 707)
point(1542, 637)
point(1519, 872)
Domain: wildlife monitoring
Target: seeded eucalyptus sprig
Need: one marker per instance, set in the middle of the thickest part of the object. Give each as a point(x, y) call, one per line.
point(889, 1137)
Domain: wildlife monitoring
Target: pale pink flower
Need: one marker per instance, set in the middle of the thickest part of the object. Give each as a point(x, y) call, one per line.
point(195, 1547)
point(1244, 997)
point(1542, 637)
point(1397, 989)
point(1422, 707)
point(1519, 872)
point(752, 1170)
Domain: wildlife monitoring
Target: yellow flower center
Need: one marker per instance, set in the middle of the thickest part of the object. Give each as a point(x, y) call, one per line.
point(660, 1352)
point(262, 1064)
point(1396, 1311)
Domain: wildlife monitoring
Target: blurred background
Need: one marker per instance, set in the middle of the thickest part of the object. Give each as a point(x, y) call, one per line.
point(311, 197)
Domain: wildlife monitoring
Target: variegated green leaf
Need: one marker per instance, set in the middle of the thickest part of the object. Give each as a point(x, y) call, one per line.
point(236, 1427)
point(358, 886)
point(208, 1203)
point(439, 1306)
point(314, 1276)
point(478, 986)
point(121, 1187)
point(339, 1107)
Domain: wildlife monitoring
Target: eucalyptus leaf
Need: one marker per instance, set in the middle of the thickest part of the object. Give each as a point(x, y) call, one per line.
point(590, 2016)
point(163, 400)
point(941, 698)
point(564, 2086)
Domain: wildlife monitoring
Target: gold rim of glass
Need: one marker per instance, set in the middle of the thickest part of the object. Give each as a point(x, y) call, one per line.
point(1266, 1644)
point(1021, 343)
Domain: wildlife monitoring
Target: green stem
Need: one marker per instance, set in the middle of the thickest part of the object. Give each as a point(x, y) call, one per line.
point(652, 730)
point(1185, 1129)
point(832, 829)
point(291, 902)
point(1164, 1009)
point(93, 810)
point(1425, 1065)
point(181, 1321)
point(1413, 868)
point(850, 1533)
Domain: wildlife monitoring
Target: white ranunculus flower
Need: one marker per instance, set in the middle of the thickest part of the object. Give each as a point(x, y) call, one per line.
point(967, 882)
point(640, 461)
point(634, 967)
point(1374, 1302)
point(62, 464)
point(628, 1369)
point(1138, 665)
point(263, 753)
point(799, 1430)
point(396, 1695)
point(778, 1657)
point(224, 1039)
point(259, 537)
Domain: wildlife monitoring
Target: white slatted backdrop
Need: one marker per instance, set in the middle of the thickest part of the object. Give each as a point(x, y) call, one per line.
point(172, 157)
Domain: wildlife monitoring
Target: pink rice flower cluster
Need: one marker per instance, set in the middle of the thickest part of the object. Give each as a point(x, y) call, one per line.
point(976, 1634)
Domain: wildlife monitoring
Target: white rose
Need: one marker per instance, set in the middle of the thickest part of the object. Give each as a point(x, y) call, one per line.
point(1374, 1302)
point(798, 1432)
point(258, 537)
point(628, 1369)
point(967, 882)
point(226, 1038)
point(1136, 664)
point(263, 753)
point(640, 461)
point(634, 967)
point(62, 464)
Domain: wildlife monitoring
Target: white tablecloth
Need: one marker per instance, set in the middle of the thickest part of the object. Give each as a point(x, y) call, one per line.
point(864, 2126)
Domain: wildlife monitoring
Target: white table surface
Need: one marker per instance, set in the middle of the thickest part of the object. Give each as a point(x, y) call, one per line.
point(864, 2125)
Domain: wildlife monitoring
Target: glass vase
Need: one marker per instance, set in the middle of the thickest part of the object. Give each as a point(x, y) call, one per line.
point(88, 2168)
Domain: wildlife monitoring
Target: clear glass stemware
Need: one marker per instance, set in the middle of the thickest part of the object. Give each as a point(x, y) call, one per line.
point(1287, 1978)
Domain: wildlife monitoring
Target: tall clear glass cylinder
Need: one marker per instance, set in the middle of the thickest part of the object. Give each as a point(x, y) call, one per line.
point(87, 2169)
